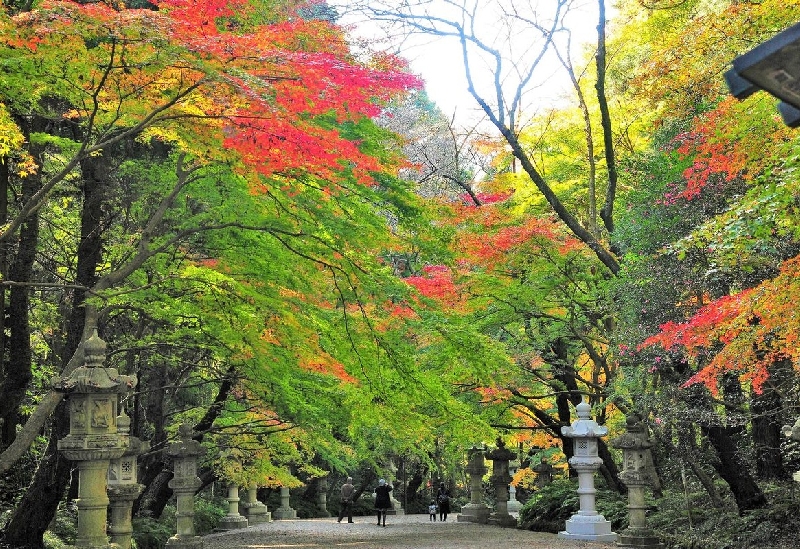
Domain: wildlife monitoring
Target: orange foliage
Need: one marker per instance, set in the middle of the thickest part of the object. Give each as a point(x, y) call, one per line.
point(745, 333)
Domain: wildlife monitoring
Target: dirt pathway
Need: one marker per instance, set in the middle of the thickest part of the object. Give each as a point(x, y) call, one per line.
point(401, 532)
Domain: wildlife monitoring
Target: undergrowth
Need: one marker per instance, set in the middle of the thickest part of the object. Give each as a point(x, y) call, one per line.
point(680, 521)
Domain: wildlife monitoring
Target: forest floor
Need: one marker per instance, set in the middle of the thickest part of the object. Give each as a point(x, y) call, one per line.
point(401, 532)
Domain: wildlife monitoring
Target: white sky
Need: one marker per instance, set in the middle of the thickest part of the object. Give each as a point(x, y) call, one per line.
point(438, 59)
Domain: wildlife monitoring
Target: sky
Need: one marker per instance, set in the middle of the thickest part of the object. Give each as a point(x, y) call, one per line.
point(439, 60)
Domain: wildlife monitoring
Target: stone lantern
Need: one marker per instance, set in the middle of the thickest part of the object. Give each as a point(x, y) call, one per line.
point(322, 498)
point(513, 505)
point(635, 446)
point(475, 510)
point(93, 439)
point(255, 511)
point(793, 432)
point(185, 483)
point(587, 523)
point(544, 473)
point(500, 479)
point(123, 487)
point(285, 511)
point(233, 520)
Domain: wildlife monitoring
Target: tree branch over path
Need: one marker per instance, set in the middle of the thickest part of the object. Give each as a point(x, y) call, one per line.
point(502, 103)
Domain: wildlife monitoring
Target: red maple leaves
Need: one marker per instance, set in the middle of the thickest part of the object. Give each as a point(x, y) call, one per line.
point(744, 333)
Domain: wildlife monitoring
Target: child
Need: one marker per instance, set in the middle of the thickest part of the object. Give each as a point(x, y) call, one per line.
point(432, 511)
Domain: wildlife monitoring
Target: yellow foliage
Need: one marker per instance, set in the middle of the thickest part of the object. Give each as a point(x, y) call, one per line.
point(11, 138)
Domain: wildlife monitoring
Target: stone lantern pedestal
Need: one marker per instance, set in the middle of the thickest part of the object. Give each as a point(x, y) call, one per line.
point(475, 511)
point(185, 483)
point(635, 446)
point(513, 506)
point(284, 512)
point(255, 511)
point(233, 520)
point(93, 440)
point(587, 524)
point(322, 498)
point(123, 488)
point(500, 479)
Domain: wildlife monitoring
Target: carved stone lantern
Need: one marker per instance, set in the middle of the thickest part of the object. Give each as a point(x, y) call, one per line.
point(123, 486)
point(93, 440)
point(255, 511)
point(185, 483)
point(544, 473)
point(635, 445)
point(500, 479)
point(285, 511)
point(587, 523)
point(475, 511)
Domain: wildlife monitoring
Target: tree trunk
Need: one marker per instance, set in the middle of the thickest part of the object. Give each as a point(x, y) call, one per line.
point(733, 470)
point(766, 426)
point(17, 372)
point(607, 211)
point(38, 506)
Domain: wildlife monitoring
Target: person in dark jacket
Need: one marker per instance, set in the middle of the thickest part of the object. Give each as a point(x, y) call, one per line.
point(443, 499)
point(382, 501)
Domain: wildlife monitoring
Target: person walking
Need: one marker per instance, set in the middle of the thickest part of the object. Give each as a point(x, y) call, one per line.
point(432, 511)
point(382, 501)
point(443, 498)
point(347, 501)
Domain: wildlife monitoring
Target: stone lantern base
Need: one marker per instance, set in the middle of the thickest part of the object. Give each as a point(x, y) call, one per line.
point(474, 512)
point(185, 542)
point(256, 513)
point(284, 513)
point(588, 528)
point(633, 537)
point(503, 520)
point(231, 522)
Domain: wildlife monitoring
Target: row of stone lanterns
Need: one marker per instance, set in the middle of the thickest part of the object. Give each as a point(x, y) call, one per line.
point(587, 524)
point(99, 441)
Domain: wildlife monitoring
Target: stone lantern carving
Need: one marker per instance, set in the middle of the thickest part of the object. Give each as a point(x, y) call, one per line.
point(587, 523)
point(500, 479)
point(475, 510)
point(123, 487)
point(185, 483)
point(93, 439)
point(635, 446)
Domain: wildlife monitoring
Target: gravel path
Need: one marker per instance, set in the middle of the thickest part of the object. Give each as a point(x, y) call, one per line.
point(401, 532)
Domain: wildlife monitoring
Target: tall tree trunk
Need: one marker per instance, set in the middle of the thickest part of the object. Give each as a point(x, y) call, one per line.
point(765, 408)
point(38, 506)
point(733, 470)
point(7, 428)
point(18, 372)
point(607, 211)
